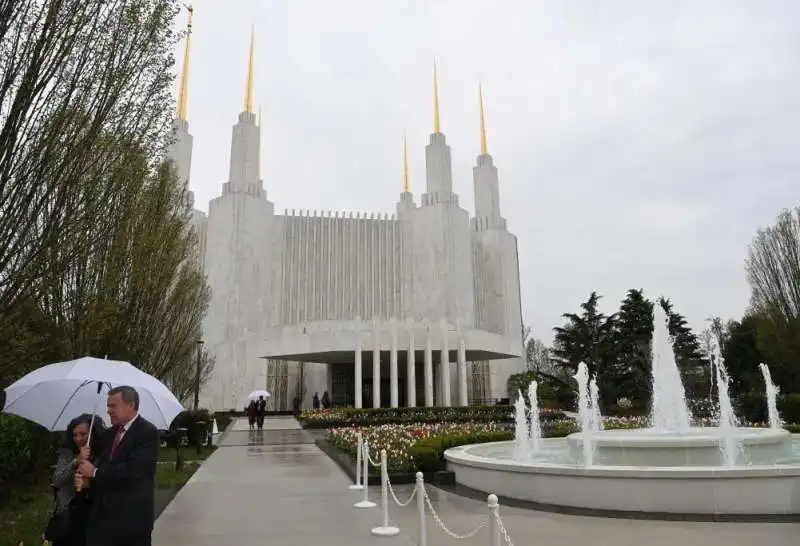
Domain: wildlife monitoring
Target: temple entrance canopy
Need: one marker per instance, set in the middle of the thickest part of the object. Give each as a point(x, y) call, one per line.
point(389, 363)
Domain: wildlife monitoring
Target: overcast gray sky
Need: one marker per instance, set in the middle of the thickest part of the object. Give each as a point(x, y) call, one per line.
point(640, 143)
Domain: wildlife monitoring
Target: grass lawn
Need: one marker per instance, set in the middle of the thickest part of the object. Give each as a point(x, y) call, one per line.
point(23, 518)
point(167, 454)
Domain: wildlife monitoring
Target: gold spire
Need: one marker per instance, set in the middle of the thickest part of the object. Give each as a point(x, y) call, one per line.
point(405, 164)
point(437, 126)
point(484, 147)
point(248, 91)
point(183, 90)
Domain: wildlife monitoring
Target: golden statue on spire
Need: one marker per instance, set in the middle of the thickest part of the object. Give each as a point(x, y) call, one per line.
point(437, 126)
point(248, 91)
point(484, 147)
point(183, 91)
point(405, 164)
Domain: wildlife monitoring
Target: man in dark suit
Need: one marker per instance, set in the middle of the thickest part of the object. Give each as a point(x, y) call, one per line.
point(123, 478)
point(261, 412)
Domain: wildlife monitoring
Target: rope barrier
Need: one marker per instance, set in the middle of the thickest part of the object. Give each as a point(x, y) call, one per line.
point(497, 531)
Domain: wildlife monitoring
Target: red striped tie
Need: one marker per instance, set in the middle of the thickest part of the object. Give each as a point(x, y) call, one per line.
point(117, 439)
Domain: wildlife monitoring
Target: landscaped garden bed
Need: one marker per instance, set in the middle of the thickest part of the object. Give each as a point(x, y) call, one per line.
point(347, 417)
point(412, 447)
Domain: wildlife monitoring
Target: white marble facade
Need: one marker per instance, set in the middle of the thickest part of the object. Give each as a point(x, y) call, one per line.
point(430, 276)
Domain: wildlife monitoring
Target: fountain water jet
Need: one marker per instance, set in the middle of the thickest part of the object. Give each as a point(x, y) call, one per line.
point(727, 418)
point(594, 397)
point(520, 428)
point(534, 424)
point(586, 414)
point(772, 398)
point(669, 408)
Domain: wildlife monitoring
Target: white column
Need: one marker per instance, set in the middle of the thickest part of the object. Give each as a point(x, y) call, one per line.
point(411, 369)
point(376, 364)
point(462, 373)
point(358, 373)
point(445, 367)
point(393, 394)
point(428, 370)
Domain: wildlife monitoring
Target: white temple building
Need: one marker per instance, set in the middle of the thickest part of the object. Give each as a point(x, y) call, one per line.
point(420, 307)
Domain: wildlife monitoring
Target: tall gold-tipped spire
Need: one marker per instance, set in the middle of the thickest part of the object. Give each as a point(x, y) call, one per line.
point(248, 90)
point(484, 147)
point(405, 164)
point(183, 90)
point(437, 126)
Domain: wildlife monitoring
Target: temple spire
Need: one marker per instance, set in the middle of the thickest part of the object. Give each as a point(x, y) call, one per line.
point(484, 147)
point(248, 91)
point(184, 83)
point(437, 126)
point(405, 164)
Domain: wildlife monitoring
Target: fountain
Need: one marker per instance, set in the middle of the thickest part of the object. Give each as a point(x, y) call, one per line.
point(521, 449)
point(672, 467)
point(534, 422)
point(772, 398)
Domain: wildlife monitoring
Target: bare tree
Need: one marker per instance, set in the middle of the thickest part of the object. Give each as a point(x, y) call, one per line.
point(72, 72)
point(773, 268)
point(773, 272)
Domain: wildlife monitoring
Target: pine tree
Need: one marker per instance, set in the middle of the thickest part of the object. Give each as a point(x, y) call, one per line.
point(634, 332)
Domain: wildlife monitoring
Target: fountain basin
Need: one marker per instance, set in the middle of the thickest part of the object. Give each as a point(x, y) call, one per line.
point(556, 481)
point(692, 447)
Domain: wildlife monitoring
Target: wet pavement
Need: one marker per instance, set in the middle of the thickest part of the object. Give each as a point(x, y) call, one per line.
point(277, 487)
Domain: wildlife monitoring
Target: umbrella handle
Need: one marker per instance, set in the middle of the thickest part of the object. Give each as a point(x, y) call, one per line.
point(91, 423)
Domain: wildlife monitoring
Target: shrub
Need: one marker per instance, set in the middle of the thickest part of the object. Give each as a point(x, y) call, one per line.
point(25, 448)
point(428, 453)
point(752, 407)
point(345, 417)
point(224, 419)
point(188, 419)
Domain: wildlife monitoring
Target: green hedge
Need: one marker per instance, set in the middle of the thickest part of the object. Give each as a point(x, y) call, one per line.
point(24, 448)
point(188, 419)
point(752, 407)
point(428, 454)
point(348, 417)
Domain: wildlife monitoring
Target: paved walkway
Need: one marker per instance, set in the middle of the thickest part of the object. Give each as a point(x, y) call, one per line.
point(277, 487)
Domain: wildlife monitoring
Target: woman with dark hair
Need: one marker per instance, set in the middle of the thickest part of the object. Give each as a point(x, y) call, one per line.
point(67, 525)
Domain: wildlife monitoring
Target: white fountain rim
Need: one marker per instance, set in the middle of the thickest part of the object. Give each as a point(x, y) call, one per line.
point(693, 437)
point(465, 456)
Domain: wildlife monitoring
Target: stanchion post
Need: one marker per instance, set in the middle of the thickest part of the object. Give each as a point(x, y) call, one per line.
point(423, 531)
point(494, 528)
point(357, 486)
point(366, 503)
point(385, 530)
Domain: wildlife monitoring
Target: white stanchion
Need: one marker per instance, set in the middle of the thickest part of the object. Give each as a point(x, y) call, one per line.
point(357, 486)
point(423, 530)
point(494, 517)
point(385, 530)
point(365, 503)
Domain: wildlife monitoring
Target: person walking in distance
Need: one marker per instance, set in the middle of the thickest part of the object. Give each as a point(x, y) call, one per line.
point(123, 478)
point(261, 412)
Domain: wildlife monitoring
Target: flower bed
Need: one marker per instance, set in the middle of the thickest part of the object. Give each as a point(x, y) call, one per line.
point(346, 417)
point(397, 440)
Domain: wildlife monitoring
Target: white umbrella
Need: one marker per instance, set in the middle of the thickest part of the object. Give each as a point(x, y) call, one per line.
point(255, 394)
point(54, 395)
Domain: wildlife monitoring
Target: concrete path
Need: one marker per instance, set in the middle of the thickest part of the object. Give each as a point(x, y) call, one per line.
point(277, 487)
point(269, 487)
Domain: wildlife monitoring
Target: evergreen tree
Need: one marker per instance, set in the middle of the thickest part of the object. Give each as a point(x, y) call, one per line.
point(590, 338)
point(742, 356)
point(634, 332)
